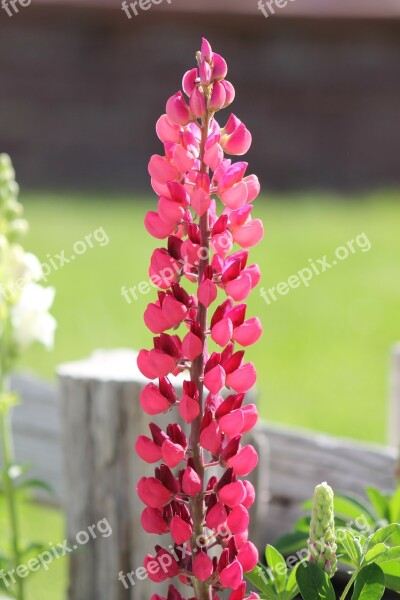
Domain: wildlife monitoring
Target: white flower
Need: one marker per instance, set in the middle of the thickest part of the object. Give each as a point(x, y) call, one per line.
point(30, 317)
point(21, 265)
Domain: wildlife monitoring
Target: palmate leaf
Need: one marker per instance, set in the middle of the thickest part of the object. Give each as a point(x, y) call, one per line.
point(260, 578)
point(278, 567)
point(314, 584)
point(369, 583)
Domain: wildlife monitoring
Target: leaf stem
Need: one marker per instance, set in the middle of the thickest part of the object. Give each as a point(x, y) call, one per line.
point(349, 584)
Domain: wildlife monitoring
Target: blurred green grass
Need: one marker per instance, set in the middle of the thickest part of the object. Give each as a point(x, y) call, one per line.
point(323, 359)
point(45, 525)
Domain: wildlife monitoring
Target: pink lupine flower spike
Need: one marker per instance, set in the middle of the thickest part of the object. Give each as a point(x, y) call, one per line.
point(205, 207)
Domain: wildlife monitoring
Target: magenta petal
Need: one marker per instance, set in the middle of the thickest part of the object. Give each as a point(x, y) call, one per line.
point(249, 332)
point(145, 366)
point(232, 423)
point(238, 519)
point(222, 332)
point(248, 556)
point(189, 409)
point(156, 226)
point(214, 379)
point(239, 288)
point(162, 363)
point(173, 311)
point(243, 378)
point(201, 201)
point(244, 461)
point(202, 566)
point(154, 319)
point(152, 401)
point(172, 454)
point(249, 234)
point(166, 131)
point(210, 438)
point(232, 576)
point(147, 449)
point(207, 292)
point(180, 530)
point(235, 197)
point(161, 169)
point(153, 522)
point(192, 346)
point(216, 516)
point(232, 494)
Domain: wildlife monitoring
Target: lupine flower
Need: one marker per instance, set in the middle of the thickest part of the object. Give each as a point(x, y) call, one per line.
point(322, 541)
point(193, 181)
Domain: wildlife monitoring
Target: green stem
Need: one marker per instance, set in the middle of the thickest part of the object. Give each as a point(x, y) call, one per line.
point(8, 460)
point(348, 586)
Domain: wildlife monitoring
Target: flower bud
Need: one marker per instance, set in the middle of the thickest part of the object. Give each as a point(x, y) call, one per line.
point(322, 541)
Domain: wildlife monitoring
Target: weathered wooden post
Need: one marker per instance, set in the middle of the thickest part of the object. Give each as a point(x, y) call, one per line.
point(101, 419)
point(394, 410)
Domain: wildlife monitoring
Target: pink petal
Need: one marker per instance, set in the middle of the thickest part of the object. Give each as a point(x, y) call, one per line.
point(156, 226)
point(232, 576)
point(180, 530)
point(201, 201)
point(235, 197)
point(250, 234)
point(147, 449)
point(244, 461)
point(243, 378)
point(232, 423)
point(222, 332)
point(239, 288)
point(207, 292)
point(249, 332)
point(232, 494)
point(192, 346)
point(189, 409)
point(214, 379)
point(161, 169)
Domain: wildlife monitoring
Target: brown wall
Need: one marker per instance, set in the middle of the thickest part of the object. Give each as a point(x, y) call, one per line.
point(80, 92)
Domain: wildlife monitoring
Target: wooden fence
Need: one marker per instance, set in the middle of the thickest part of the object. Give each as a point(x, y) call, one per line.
point(98, 416)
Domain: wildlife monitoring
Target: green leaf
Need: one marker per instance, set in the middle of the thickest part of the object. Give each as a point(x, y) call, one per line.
point(369, 583)
point(261, 579)
point(391, 554)
point(34, 484)
point(292, 589)
point(351, 544)
point(352, 507)
point(314, 583)
point(384, 534)
point(292, 542)
point(376, 551)
point(391, 570)
point(394, 507)
point(379, 502)
point(278, 567)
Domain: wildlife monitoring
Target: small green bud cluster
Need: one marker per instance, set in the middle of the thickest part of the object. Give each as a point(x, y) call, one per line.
point(322, 541)
point(12, 225)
